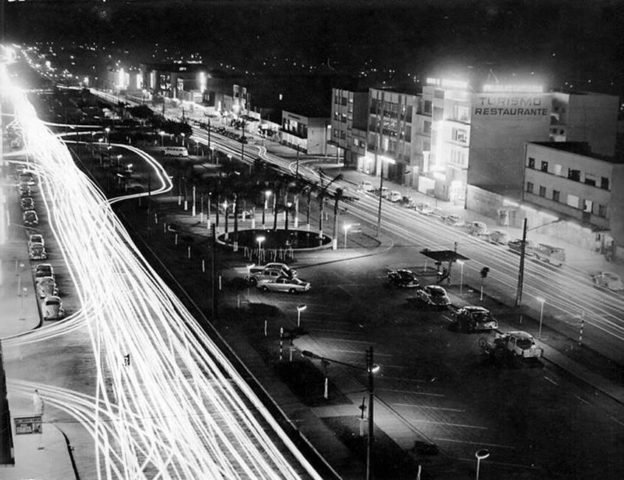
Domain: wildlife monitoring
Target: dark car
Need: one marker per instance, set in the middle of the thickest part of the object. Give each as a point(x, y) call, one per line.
point(27, 203)
point(30, 218)
point(475, 318)
point(403, 278)
point(432, 295)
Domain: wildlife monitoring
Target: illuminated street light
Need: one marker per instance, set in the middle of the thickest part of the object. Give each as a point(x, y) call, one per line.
point(541, 301)
point(260, 239)
point(182, 135)
point(162, 138)
point(300, 308)
point(389, 161)
point(107, 130)
point(346, 230)
point(371, 368)
point(461, 275)
point(481, 455)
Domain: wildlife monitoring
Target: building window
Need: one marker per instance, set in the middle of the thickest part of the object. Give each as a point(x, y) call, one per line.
point(556, 195)
point(574, 175)
point(529, 187)
point(588, 206)
point(557, 170)
point(602, 211)
point(427, 127)
point(590, 179)
point(460, 135)
point(544, 166)
point(542, 191)
point(531, 162)
point(604, 183)
point(573, 201)
point(428, 107)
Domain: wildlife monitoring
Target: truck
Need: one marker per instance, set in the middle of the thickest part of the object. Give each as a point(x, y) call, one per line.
point(515, 345)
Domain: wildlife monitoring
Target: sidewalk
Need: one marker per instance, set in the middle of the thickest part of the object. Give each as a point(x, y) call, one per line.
point(43, 455)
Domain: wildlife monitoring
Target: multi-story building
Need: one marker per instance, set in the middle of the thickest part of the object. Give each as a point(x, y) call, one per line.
point(572, 182)
point(307, 134)
point(585, 117)
point(348, 123)
point(390, 136)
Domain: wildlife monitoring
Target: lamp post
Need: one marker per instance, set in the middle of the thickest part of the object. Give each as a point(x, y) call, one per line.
point(107, 130)
point(267, 194)
point(286, 212)
point(260, 239)
point(346, 230)
point(461, 276)
point(389, 161)
point(182, 135)
point(481, 455)
point(162, 138)
point(541, 301)
point(371, 368)
point(300, 308)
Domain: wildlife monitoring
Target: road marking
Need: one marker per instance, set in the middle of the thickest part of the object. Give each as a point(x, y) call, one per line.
point(616, 421)
point(413, 405)
point(474, 443)
point(550, 380)
point(346, 340)
point(477, 427)
point(357, 352)
point(583, 400)
point(505, 464)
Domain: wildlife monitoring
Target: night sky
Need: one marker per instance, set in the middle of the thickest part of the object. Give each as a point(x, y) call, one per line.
point(568, 40)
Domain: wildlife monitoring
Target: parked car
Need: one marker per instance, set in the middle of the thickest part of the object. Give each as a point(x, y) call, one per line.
point(284, 284)
point(395, 196)
point(265, 274)
point(453, 220)
point(25, 190)
point(403, 278)
point(474, 318)
point(433, 295)
point(35, 238)
point(52, 308)
point(27, 203)
point(286, 270)
point(43, 270)
point(498, 237)
point(46, 287)
point(516, 247)
point(27, 179)
point(477, 228)
point(37, 252)
point(30, 218)
point(608, 280)
point(424, 209)
point(367, 186)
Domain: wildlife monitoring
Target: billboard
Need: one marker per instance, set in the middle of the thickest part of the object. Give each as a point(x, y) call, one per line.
point(28, 425)
point(511, 105)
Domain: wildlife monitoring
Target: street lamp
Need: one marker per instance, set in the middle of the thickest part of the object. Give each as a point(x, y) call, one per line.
point(260, 239)
point(481, 455)
point(389, 161)
point(107, 130)
point(300, 308)
point(541, 301)
point(461, 275)
point(371, 368)
point(267, 194)
point(286, 212)
point(346, 229)
point(162, 138)
point(182, 135)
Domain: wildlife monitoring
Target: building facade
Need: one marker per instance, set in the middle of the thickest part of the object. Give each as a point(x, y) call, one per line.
point(349, 123)
point(307, 134)
point(571, 181)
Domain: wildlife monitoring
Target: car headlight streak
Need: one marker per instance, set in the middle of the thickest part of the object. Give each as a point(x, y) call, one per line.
point(179, 410)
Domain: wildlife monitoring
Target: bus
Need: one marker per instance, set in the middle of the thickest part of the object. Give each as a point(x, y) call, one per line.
point(175, 152)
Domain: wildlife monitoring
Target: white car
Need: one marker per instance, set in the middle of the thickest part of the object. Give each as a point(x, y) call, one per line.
point(367, 186)
point(395, 196)
point(284, 284)
point(52, 308)
point(453, 220)
point(609, 280)
point(424, 209)
point(477, 228)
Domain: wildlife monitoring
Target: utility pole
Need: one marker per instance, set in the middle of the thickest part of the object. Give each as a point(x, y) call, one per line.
point(213, 232)
point(371, 422)
point(521, 268)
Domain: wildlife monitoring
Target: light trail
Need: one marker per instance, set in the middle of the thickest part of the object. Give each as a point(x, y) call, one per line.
point(179, 409)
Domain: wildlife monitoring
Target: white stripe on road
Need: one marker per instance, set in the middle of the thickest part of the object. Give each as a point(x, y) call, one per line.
point(582, 400)
point(413, 405)
point(550, 380)
point(616, 421)
point(477, 427)
point(474, 443)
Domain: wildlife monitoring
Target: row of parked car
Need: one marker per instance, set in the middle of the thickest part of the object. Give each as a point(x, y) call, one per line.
point(45, 281)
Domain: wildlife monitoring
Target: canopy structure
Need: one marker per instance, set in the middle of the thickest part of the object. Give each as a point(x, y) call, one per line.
point(443, 255)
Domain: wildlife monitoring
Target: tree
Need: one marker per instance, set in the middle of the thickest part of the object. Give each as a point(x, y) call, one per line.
point(338, 194)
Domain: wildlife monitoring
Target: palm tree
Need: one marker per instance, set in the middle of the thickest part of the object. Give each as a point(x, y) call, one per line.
point(337, 197)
